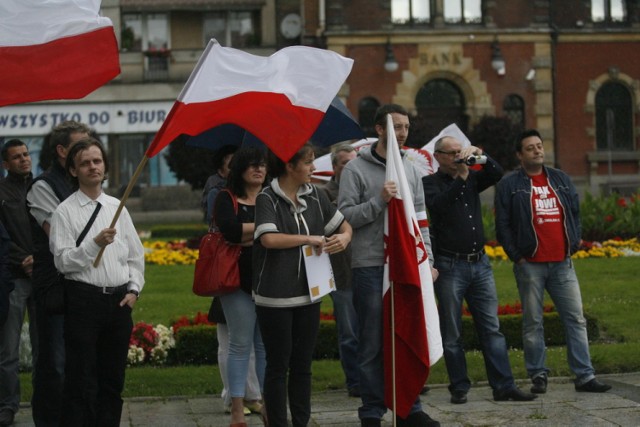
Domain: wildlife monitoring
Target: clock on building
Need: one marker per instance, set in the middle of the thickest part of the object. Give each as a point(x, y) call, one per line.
point(291, 26)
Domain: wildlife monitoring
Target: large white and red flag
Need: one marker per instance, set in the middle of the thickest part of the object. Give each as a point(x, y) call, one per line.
point(54, 49)
point(280, 99)
point(411, 325)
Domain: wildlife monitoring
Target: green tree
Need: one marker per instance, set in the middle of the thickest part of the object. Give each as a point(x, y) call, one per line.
point(496, 136)
point(190, 164)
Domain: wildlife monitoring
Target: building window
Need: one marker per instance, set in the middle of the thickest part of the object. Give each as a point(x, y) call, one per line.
point(367, 115)
point(232, 29)
point(462, 11)
point(410, 12)
point(608, 11)
point(513, 109)
point(614, 118)
point(148, 33)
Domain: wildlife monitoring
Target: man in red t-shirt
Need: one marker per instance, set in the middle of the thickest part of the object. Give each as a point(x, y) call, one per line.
point(538, 224)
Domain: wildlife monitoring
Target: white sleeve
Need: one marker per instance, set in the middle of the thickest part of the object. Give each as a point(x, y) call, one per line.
point(42, 201)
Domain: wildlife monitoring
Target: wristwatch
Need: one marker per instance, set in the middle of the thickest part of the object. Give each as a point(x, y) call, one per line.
point(133, 291)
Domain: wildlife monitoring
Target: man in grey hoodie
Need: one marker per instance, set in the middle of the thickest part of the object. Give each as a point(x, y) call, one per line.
point(362, 199)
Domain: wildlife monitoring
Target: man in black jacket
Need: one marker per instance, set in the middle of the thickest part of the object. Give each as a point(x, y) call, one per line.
point(452, 196)
point(13, 214)
point(538, 224)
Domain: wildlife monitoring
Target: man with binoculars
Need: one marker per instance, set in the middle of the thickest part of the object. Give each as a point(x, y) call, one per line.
point(452, 195)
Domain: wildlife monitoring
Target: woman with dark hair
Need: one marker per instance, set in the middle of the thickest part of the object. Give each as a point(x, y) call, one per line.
point(234, 215)
point(291, 213)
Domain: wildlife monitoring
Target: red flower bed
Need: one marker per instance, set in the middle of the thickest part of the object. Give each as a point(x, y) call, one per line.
point(515, 308)
point(183, 321)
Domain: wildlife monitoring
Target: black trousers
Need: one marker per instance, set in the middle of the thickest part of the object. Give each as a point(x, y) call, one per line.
point(289, 336)
point(96, 336)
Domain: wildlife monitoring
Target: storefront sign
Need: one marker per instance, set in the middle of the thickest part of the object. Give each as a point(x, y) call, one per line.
point(120, 118)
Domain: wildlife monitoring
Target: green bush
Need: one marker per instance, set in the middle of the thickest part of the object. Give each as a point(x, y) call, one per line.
point(511, 328)
point(198, 345)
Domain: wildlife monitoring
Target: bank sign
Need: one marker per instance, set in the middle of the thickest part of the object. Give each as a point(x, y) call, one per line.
point(119, 118)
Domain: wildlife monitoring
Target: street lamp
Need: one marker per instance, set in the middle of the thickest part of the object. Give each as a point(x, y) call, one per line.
point(497, 61)
point(390, 63)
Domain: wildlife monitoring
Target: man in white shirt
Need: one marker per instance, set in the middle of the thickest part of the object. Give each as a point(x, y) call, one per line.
point(99, 299)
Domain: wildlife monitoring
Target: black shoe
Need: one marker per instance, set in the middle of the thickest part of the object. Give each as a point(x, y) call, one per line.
point(514, 394)
point(458, 397)
point(539, 384)
point(593, 386)
point(370, 422)
point(354, 392)
point(417, 419)
point(6, 417)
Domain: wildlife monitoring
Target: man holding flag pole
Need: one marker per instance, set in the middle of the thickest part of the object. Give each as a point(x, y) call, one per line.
point(381, 196)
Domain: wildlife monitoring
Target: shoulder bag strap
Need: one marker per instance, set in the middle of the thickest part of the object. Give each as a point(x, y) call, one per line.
point(89, 224)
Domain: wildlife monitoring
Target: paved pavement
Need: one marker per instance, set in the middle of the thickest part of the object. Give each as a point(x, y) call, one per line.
point(560, 406)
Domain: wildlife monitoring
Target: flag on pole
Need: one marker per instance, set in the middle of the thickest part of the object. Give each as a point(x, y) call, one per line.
point(280, 99)
point(54, 49)
point(407, 274)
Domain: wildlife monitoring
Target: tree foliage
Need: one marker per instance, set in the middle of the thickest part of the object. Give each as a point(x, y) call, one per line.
point(496, 136)
point(190, 164)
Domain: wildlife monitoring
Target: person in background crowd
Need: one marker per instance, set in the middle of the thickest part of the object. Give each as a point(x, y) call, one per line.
point(6, 281)
point(363, 198)
point(99, 300)
point(291, 213)
point(342, 297)
point(13, 214)
point(236, 221)
point(452, 195)
point(538, 225)
point(218, 180)
point(44, 196)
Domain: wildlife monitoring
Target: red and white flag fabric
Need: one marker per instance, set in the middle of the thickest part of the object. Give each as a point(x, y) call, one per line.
point(280, 99)
point(411, 324)
point(54, 49)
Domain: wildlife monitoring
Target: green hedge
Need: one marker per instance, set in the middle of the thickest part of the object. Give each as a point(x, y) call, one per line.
point(197, 345)
point(178, 231)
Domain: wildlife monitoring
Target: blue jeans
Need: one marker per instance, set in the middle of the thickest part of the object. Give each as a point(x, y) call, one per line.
point(559, 279)
point(367, 299)
point(46, 401)
point(473, 282)
point(21, 300)
point(244, 335)
point(347, 324)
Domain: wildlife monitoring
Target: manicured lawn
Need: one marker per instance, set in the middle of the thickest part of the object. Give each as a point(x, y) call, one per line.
point(610, 291)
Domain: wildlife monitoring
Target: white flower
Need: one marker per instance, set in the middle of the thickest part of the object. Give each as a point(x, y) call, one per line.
point(135, 355)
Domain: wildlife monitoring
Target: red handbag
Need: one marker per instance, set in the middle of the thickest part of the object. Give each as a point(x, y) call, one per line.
point(217, 271)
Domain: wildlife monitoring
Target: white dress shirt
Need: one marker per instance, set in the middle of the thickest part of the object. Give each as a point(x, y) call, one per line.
point(122, 261)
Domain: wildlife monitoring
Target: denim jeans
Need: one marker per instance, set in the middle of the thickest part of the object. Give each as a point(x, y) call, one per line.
point(367, 299)
point(244, 336)
point(347, 324)
point(46, 401)
point(559, 279)
point(21, 300)
point(96, 338)
point(252, 386)
point(289, 335)
point(473, 282)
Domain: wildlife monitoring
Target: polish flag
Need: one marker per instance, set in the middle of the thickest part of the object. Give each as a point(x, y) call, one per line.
point(54, 49)
point(280, 99)
point(409, 307)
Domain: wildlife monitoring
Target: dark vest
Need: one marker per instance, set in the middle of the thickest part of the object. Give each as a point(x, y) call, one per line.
point(44, 270)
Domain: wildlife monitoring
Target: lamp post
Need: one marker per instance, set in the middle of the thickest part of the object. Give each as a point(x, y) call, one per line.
point(497, 60)
point(390, 63)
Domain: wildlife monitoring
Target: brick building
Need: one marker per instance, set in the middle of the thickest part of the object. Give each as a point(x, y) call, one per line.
point(567, 67)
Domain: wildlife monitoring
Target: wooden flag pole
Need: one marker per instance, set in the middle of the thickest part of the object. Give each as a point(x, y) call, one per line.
point(124, 198)
point(393, 351)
